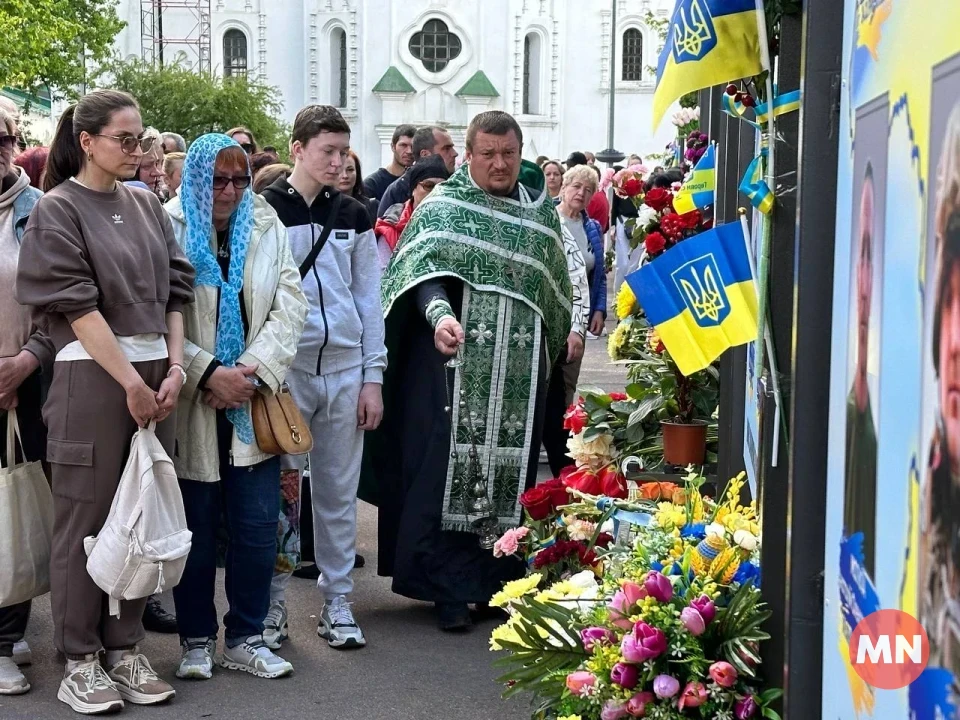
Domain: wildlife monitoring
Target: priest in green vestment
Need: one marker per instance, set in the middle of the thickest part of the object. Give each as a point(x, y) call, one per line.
point(478, 278)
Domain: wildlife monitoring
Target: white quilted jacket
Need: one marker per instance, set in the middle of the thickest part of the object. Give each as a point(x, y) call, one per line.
point(276, 309)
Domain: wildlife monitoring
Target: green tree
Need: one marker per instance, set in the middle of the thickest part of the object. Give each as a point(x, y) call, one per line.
point(49, 42)
point(174, 98)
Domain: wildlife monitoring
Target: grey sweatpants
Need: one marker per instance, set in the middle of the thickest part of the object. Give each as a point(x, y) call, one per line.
point(329, 406)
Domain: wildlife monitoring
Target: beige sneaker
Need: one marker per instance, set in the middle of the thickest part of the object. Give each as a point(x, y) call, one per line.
point(88, 690)
point(12, 681)
point(138, 683)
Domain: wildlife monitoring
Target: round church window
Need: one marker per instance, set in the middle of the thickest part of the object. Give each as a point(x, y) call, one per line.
point(435, 45)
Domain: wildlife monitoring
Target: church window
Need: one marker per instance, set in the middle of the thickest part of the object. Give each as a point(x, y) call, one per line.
point(531, 74)
point(632, 55)
point(338, 68)
point(435, 46)
point(234, 54)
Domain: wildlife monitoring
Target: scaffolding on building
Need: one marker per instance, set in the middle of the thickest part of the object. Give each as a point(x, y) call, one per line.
point(158, 46)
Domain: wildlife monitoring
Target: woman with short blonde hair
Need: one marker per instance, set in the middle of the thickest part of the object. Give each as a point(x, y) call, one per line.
point(583, 174)
point(172, 169)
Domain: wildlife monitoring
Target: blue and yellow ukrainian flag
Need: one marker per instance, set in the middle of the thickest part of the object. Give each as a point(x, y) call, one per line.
point(709, 42)
point(701, 189)
point(700, 297)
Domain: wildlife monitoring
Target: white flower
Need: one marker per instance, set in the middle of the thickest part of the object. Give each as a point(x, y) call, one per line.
point(746, 540)
point(580, 529)
point(716, 529)
point(646, 215)
point(594, 453)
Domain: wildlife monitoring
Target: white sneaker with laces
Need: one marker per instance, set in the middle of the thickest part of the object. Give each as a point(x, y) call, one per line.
point(338, 627)
point(12, 681)
point(21, 653)
point(254, 657)
point(137, 682)
point(196, 662)
point(88, 689)
point(275, 628)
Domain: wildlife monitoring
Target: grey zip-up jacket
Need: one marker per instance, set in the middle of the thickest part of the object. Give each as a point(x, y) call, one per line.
point(344, 327)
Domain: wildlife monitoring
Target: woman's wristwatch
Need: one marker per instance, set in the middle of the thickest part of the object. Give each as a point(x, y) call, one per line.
point(179, 368)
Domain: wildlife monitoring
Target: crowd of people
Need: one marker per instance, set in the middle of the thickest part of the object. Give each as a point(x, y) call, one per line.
point(428, 320)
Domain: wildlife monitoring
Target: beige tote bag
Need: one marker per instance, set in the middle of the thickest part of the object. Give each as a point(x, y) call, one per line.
point(26, 524)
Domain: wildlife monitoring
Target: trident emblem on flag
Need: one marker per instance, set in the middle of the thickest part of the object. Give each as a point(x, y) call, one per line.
point(693, 32)
point(701, 286)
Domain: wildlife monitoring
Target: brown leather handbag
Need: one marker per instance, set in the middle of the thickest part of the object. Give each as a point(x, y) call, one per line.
point(278, 424)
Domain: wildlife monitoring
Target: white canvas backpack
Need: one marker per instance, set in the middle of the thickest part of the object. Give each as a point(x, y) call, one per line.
point(143, 546)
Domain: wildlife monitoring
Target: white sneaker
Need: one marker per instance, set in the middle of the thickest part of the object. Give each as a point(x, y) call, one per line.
point(337, 625)
point(196, 662)
point(254, 657)
point(137, 682)
point(12, 681)
point(275, 628)
point(88, 689)
point(21, 653)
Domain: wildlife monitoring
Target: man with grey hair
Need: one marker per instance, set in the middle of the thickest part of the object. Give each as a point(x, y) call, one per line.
point(479, 277)
point(172, 142)
point(427, 141)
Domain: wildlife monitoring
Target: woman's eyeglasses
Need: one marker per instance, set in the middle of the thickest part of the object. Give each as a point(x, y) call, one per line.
point(8, 141)
point(241, 182)
point(129, 143)
point(429, 185)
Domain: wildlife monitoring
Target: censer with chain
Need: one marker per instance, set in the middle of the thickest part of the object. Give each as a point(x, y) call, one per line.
point(485, 523)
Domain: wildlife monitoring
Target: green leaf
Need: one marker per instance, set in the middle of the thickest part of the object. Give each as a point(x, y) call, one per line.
point(771, 714)
point(768, 696)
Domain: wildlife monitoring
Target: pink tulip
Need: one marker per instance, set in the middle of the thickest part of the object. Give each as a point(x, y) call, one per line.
point(644, 643)
point(706, 608)
point(724, 674)
point(657, 586)
point(581, 682)
point(626, 676)
point(634, 593)
point(694, 695)
point(591, 637)
point(637, 705)
point(745, 708)
point(613, 710)
point(618, 610)
point(665, 686)
point(693, 621)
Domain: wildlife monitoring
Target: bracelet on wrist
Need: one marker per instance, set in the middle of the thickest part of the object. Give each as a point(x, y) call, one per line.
point(177, 367)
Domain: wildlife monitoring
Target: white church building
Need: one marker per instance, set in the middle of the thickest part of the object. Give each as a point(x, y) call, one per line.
point(386, 62)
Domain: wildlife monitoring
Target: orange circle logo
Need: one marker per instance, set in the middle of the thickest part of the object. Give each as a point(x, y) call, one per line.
point(889, 649)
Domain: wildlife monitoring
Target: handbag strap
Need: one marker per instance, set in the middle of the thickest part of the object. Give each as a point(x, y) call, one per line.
point(324, 235)
point(14, 439)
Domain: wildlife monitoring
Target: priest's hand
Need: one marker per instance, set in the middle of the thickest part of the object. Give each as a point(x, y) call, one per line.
point(574, 347)
point(448, 336)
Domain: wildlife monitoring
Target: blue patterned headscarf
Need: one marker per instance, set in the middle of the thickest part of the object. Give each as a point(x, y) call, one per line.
point(196, 198)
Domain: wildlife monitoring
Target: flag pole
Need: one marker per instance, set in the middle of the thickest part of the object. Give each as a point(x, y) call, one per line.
point(767, 342)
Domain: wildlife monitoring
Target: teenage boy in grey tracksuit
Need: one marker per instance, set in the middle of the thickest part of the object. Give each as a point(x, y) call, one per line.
point(338, 371)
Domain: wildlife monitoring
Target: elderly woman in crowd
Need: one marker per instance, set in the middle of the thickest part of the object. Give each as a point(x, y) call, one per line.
point(245, 139)
point(241, 336)
point(24, 351)
point(579, 185)
point(424, 175)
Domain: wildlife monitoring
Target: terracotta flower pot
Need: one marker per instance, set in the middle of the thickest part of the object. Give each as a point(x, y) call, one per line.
point(684, 444)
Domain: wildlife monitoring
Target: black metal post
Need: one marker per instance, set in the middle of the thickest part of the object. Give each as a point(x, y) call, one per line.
point(810, 386)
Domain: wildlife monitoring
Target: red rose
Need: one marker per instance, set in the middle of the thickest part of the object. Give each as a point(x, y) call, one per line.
point(619, 397)
point(582, 479)
point(558, 491)
point(672, 226)
point(612, 483)
point(575, 419)
point(658, 198)
point(655, 243)
point(632, 186)
point(588, 558)
point(537, 503)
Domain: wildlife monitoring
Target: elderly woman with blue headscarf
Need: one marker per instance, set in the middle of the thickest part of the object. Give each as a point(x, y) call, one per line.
point(241, 336)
